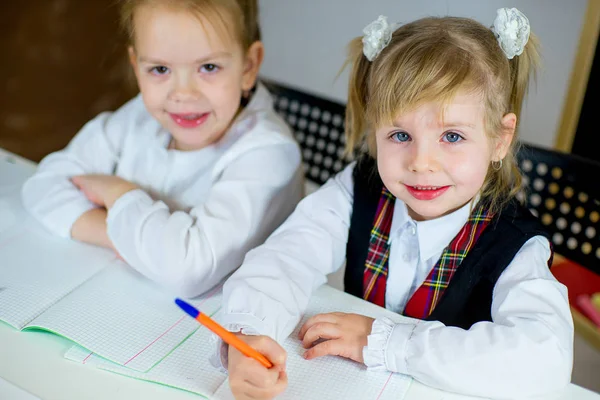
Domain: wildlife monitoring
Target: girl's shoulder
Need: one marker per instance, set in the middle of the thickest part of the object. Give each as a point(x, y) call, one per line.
point(133, 113)
point(259, 126)
point(263, 119)
point(133, 119)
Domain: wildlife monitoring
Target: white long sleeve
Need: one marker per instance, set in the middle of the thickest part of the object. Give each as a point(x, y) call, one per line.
point(49, 194)
point(192, 251)
point(271, 290)
point(527, 350)
point(197, 212)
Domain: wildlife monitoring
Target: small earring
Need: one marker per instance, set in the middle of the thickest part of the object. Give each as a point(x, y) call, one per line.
point(497, 165)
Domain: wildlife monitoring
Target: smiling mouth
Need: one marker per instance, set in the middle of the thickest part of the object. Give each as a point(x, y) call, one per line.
point(426, 187)
point(426, 192)
point(189, 120)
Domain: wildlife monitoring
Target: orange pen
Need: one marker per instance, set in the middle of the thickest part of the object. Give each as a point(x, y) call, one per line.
point(223, 333)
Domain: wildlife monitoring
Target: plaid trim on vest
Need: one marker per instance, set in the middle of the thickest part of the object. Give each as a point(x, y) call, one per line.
point(376, 265)
point(424, 300)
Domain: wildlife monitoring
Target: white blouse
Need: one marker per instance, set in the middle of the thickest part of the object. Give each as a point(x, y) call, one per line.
point(526, 350)
point(197, 212)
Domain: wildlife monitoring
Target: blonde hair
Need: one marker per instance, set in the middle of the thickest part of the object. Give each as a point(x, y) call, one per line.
point(241, 14)
point(432, 59)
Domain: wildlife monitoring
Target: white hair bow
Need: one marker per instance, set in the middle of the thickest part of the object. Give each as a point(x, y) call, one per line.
point(512, 29)
point(377, 36)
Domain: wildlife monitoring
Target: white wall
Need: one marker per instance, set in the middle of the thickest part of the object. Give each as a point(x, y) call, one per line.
point(305, 45)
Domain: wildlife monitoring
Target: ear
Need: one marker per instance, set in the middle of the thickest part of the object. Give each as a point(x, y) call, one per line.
point(133, 61)
point(507, 133)
point(254, 59)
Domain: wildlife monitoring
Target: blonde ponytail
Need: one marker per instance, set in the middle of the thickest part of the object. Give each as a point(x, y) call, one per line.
point(503, 185)
point(356, 120)
point(522, 69)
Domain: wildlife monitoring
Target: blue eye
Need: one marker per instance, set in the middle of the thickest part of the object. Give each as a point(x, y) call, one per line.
point(400, 136)
point(452, 137)
point(159, 70)
point(209, 68)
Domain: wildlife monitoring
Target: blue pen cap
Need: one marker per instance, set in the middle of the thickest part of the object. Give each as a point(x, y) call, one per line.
point(188, 308)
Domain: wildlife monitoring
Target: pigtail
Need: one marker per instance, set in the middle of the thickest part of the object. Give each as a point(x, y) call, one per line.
point(250, 12)
point(355, 120)
point(126, 9)
point(523, 69)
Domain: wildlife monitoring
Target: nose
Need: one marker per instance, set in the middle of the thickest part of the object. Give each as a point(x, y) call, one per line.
point(185, 89)
point(422, 158)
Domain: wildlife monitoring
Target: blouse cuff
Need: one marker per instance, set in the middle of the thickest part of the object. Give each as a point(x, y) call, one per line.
point(123, 202)
point(374, 351)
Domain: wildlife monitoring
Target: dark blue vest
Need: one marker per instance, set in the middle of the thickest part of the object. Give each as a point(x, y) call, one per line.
point(468, 298)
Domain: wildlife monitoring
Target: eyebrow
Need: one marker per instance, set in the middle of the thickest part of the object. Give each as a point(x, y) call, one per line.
point(446, 125)
point(458, 125)
point(221, 54)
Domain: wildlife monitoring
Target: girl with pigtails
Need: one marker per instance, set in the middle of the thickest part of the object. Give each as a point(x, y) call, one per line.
point(427, 222)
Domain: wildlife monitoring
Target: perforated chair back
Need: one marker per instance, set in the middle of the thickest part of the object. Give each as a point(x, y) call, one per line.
point(564, 191)
point(318, 126)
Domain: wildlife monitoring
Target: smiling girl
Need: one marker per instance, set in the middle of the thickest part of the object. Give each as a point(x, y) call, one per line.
point(426, 222)
point(193, 172)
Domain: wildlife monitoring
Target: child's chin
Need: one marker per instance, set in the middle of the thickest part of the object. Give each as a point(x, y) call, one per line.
point(425, 212)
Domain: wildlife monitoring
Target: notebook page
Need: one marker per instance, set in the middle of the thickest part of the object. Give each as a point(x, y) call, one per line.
point(124, 317)
point(323, 378)
point(12, 213)
point(330, 376)
point(14, 170)
point(37, 268)
point(187, 367)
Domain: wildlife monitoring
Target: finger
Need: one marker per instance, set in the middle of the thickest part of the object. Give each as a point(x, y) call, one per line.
point(328, 317)
point(239, 389)
point(269, 348)
point(77, 180)
point(320, 331)
point(254, 392)
point(334, 347)
point(256, 375)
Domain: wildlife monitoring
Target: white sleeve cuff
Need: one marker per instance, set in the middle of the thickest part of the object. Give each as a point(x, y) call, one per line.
point(62, 223)
point(374, 351)
point(387, 346)
point(248, 324)
point(122, 223)
point(220, 358)
point(125, 200)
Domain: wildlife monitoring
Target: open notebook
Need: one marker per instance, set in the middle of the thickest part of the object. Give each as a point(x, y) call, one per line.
point(124, 323)
point(188, 366)
point(86, 295)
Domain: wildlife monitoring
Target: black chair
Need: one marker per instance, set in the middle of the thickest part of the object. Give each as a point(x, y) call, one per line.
point(564, 191)
point(318, 126)
point(558, 188)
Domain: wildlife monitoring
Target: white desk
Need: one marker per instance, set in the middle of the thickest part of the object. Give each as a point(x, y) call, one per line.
point(34, 361)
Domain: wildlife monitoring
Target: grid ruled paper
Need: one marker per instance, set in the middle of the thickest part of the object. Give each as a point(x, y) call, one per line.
point(124, 317)
point(12, 213)
point(328, 377)
point(33, 279)
point(187, 367)
point(37, 268)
